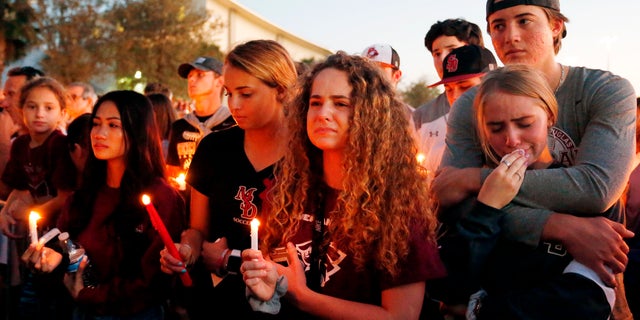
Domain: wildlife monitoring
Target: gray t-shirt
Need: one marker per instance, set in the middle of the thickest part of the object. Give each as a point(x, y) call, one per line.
point(594, 138)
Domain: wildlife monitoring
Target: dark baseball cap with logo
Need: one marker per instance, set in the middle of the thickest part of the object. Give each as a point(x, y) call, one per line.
point(201, 63)
point(466, 62)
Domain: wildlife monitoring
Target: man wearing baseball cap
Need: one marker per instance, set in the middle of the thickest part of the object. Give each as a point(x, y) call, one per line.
point(387, 59)
point(205, 87)
point(430, 118)
point(463, 69)
point(596, 112)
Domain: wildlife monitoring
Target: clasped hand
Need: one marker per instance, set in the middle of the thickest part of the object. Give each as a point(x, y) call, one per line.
point(261, 275)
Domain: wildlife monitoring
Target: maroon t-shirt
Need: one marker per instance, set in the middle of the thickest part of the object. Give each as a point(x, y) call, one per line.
point(42, 170)
point(342, 280)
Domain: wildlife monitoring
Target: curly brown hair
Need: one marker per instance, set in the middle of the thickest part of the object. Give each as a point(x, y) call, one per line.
point(384, 197)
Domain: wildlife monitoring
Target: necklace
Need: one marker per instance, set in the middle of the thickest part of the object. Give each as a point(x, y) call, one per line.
point(561, 80)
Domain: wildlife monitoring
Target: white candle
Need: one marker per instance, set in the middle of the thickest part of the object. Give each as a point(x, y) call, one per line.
point(33, 226)
point(254, 234)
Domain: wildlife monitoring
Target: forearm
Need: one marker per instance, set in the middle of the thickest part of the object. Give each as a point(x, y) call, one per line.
point(193, 238)
point(199, 223)
point(582, 189)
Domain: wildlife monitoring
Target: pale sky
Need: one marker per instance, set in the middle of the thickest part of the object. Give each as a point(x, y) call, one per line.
point(601, 34)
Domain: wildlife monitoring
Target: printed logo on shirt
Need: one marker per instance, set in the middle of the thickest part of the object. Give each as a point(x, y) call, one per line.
point(249, 209)
point(555, 249)
point(562, 147)
point(37, 181)
point(332, 260)
point(185, 153)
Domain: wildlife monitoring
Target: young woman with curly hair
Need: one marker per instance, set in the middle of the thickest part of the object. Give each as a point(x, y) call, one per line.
point(351, 164)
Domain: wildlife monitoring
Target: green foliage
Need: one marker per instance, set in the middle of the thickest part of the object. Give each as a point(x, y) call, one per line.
point(90, 39)
point(417, 93)
point(18, 33)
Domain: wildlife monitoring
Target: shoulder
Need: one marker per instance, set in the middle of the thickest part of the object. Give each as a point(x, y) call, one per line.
point(180, 124)
point(463, 107)
point(585, 81)
point(431, 110)
point(22, 139)
point(57, 138)
point(227, 123)
point(228, 136)
point(162, 192)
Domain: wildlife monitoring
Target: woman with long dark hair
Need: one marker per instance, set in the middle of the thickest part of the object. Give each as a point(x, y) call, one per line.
point(105, 216)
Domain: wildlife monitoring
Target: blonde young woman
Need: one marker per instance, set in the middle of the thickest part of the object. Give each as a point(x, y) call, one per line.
point(359, 236)
point(229, 172)
point(515, 111)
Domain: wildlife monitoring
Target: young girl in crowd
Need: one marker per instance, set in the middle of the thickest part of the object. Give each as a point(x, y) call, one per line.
point(106, 217)
point(41, 175)
point(515, 110)
point(359, 236)
point(39, 162)
point(229, 172)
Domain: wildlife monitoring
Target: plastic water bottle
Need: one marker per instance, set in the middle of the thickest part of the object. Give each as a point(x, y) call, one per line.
point(75, 251)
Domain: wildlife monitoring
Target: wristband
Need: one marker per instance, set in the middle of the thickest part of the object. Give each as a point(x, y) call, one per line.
point(234, 262)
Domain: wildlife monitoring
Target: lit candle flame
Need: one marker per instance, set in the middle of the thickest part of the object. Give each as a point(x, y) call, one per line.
point(420, 157)
point(255, 223)
point(145, 199)
point(34, 216)
point(180, 180)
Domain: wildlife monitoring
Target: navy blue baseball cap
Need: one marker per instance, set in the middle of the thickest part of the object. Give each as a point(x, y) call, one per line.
point(200, 63)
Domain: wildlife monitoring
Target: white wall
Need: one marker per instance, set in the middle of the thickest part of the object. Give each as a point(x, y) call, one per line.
point(240, 25)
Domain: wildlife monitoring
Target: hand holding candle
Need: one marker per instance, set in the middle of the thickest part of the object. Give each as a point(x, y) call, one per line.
point(33, 226)
point(164, 235)
point(254, 234)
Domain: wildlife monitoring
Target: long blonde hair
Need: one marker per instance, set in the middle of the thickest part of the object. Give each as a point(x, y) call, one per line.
point(516, 79)
point(383, 199)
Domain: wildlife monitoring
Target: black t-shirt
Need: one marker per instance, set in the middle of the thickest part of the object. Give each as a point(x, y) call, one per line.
point(221, 171)
point(184, 139)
